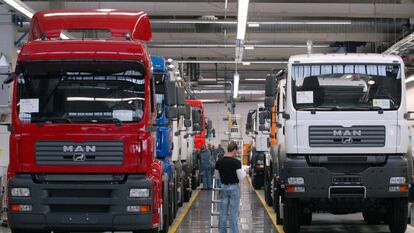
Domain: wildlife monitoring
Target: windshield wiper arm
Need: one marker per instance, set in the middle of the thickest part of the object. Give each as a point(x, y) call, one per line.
point(319, 108)
point(118, 122)
point(41, 120)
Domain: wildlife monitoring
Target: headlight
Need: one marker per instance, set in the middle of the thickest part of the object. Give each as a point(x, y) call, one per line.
point(20, 192)
point(397, 180)
point(296, 180)
point(139, 193)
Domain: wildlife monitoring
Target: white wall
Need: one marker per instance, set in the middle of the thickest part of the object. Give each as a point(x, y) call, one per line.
point(217, 111)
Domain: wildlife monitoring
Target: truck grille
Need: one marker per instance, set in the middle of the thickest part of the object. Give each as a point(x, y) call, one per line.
point(355, 136)
point(86, 153)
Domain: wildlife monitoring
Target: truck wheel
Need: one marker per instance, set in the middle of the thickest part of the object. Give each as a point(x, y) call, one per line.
point(256, 182)
point(307, 219)
point(187, 191)
point(267, 180)
point(371, 217)
point(399, 215)
point(275, 198)
point(292, 214)
point(170, 206)
point(193, 182)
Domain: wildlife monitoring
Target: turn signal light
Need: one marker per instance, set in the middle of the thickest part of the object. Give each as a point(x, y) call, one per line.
point(401, 188)
point(139, 208)
point(20, 208)
point(294, 189)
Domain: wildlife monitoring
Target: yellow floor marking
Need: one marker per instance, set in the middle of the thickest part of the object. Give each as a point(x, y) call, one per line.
point(177, 222)
point(270, 212)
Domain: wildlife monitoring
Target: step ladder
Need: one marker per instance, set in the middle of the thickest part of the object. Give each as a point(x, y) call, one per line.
point(215, 206)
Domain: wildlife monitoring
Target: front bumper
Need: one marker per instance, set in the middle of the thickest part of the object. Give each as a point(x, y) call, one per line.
point(323, 182)
point(80, 206)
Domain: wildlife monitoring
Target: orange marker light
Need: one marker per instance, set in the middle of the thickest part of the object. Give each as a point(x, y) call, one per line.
point(14, 208)
point(144, 208)
point(404, 188)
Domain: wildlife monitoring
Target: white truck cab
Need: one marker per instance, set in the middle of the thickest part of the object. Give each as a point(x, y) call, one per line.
point(342, 139)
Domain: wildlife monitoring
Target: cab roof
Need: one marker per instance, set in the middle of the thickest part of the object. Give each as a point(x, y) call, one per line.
point(345, 58)
point(83, 49)
point(50, 24)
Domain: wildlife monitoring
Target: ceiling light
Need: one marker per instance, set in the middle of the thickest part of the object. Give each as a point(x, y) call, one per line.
point(236, 85)
point(242, 18)
point(249, 47)
point(246, 63)
point(255, 79)
point(19, 7)
point(254, 25)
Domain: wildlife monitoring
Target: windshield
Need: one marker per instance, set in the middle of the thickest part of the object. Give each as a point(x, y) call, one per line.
point(159, 94)
point(346, 87)
point(81, 92)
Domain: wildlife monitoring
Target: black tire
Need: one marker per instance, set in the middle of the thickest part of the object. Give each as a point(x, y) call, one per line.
point(170, 205)
point(187, 191)
point(267, 178)
point(307, 219)
point(275, 198)
point(165, 208)
point(256, 182)
point(398, 215)
point(193, 181)
point(292, 214)
point(371, 217)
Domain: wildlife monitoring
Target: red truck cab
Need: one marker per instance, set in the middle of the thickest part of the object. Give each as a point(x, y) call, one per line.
point(81, 147)
point(200, 136)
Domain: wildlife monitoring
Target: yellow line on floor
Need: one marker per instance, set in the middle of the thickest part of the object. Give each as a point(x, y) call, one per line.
point(270, 212)
point(180, 218)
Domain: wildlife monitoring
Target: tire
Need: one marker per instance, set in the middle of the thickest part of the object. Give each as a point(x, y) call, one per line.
point(256, 182)
point(399, 215)
point(187, 191)
point(193, 181)
point(307, 219)
point(292, 214)
point(275, 198)
point(371, 217)
point(165, 208)
point(170, 205)
point(267, 177)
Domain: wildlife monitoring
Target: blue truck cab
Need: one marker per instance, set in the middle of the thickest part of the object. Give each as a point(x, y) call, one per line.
point(164, 134)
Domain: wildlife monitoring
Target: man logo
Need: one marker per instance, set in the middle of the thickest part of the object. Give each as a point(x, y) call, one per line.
point(347, 140)
point(79, 148)
point(348, 133)
point(79, 157)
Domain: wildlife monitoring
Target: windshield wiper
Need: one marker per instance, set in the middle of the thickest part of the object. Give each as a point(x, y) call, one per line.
point(117, 122)
point(41, 120)
point(319, 108)
point(372, 108)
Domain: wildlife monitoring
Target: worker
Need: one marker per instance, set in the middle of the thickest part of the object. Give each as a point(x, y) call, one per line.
point(220, 152)
point(206, 166)
point(231, 174)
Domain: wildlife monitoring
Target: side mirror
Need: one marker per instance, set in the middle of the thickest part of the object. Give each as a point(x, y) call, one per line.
point(271, 86)
point(262, 117)
point(196, 117)
point(172, 112)
point(269, 101)
point(209, 125)
point(187, 114)
point(187, 123)
point(180, 96)
point(170, 93)
point(213, 131)
point(9, 78)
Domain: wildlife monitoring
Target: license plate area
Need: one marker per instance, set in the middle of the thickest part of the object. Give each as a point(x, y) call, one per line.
point(80, 219)
point(347, 192)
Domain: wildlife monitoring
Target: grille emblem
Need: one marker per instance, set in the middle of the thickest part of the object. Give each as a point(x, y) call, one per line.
point(79, 157)
point(347, 140)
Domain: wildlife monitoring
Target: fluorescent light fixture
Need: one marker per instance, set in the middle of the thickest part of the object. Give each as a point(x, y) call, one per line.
point(236, 85)
point(249, 47)
point(304, 22)
point(255, 79)
point(254, 25)
point(246, 63)
point(19, 7)
point(242, 18)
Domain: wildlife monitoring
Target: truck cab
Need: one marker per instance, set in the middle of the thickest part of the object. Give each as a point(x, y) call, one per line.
point(342, 139)
point(82, 147)
point(258, 127)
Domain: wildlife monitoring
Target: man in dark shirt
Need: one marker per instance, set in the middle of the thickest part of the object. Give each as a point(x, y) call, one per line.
point(231, 173)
